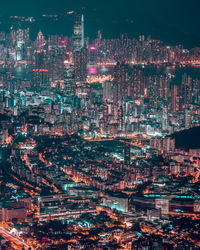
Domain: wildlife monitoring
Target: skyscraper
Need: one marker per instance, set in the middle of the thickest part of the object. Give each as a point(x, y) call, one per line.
point(127, 154)
point(185, 89)
point(39, 43)
point(78, 38)
point(56, 65)
point(188, 118)
point(40, 71)
point(69, 80)
point(80, 64)
point(137, 83)
point(79, 50)
point(175, 99)
point(120, 90)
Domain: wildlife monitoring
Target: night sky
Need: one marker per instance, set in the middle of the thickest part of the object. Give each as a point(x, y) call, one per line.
point(174, 21)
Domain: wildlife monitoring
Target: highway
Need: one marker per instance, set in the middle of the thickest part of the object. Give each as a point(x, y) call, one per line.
point(14, 239)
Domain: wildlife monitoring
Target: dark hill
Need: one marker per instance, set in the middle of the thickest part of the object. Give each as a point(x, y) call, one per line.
point(187, 139)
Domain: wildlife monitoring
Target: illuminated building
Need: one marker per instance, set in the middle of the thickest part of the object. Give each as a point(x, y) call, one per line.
point(188, 118)
point(165, 144)
point(116, 202)
point(137, 83)
point(19, 36)
point(164, 87)
point(174, 99)
point(185, 90)
point(168, 144)
point(107, 90)
point(164, 118)
point(69, 80)
point(120, 115)
point(105, 118)
point(79, 50)
point(40, 71)
point(78, 36)
point(56, 66)
point(80, 65)
point(195, 91)
point(9, 213)
point(120, 82)
point(127, 154)
point(56, 41)
point(153, 214)
point(92, 54)
point(40, 42)
point(19, 40)
point(197, 206)
point(163, 204)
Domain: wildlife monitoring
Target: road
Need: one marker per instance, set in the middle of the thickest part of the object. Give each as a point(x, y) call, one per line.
point(13, 239)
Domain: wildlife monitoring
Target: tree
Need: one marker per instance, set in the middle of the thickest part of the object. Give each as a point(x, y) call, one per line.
point(102, 217)
point(14, 221)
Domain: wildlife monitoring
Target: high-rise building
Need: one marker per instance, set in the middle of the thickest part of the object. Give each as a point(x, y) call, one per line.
point(69, 80)
point(185, 90)
point(56, 65)
point(40, 42)
point(19, 39)
point(79, 49)
point(80, 64)
point(92, 54)
point(127, 154)
point(164, 118)
point(187, 118)
point(164, 87)
point(40, 71)
point(196, 92)
point(137, 84)
point(174, 99)
point(107, 90)
point(120, 90)
point(78, 37)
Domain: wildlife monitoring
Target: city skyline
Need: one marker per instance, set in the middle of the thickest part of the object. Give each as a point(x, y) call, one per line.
point(99, 127)
point(171, 21)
